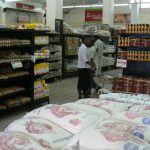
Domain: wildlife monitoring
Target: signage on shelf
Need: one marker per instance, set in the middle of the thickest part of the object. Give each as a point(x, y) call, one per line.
point(23, 17)
point(122, 18)
point(93, 15)
point(25, 6)
point(16, 64)
point(122, 63)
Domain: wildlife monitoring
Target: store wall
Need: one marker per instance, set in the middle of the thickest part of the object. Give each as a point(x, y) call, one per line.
point(75, 17)
point(11, 17)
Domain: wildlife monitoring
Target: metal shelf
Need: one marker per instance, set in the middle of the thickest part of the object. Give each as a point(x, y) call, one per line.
point(5, 96)
point(14, 78)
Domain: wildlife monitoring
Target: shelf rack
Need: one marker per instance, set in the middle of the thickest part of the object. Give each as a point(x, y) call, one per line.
point(65, 56)
point(26, 81)
point(136, 69)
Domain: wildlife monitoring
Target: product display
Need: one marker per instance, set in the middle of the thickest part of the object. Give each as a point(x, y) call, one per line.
point(138, 55)
point(135, 29)
point(13, 42)
point(129, 41)
point(33, 26)
point(41, 40)
point(7, 57)
point(41, 68)
point(86, 124)
point(12, 74)
point(132, 84)
point(42, 53)
point(40, 89)
point(108, 61)
point(9, 90)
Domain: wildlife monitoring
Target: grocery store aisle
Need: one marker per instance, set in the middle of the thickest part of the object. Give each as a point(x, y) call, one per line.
point(60, 92)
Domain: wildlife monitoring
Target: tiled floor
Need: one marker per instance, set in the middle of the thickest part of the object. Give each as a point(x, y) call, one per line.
point(60, 92)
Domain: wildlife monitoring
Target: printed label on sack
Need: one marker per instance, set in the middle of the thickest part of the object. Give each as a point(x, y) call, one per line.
point(130, 146)
point(146, 120)
point(16, 64)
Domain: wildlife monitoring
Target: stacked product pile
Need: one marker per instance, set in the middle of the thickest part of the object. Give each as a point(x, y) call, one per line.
point(114, 122)
point(132, 84)
point(135, 29)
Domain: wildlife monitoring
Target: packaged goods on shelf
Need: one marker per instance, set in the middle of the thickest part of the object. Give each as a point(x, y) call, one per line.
point(132, 41)
point(54, 65)
point(7, 56)
point(110, 49)
point(42, 53)
point(40, 89)
point(71, 42)
point(132, 84)
point(52, 75)
point(3, 107)
point(55, 56)
point(9, 90)
point(33, 26)
point(71, 65)
point(41, 40)
point(6, 42)
point(122, 54)
point(108, 61)
point(13, 74)
point(138, 55)
point(41, 68)
point(55, 48)
point(135, 29)
point(136, 99)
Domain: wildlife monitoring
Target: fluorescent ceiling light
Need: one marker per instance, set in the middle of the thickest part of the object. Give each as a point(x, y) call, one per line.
point(89, 6)
point(146, 5)
point(11, 1)
point(82, 6)
point(121, 4)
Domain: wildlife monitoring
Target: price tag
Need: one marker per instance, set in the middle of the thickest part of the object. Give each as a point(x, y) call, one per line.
point(16, 64)
point(122, 63)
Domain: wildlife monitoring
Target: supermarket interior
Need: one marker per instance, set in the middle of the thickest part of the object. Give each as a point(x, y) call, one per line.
point(75, 74)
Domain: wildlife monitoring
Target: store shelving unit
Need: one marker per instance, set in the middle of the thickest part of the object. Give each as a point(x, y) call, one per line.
point(17, 82)
point(70, 45)
point(12, 86)
point(55, 60)
point(137, 70)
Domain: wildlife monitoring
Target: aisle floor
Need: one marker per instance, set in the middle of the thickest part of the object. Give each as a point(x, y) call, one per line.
point(60, 92)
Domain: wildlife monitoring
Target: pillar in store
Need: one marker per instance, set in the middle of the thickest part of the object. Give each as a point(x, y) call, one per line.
point(108, 12)
point(54, 11)
point(135, 10)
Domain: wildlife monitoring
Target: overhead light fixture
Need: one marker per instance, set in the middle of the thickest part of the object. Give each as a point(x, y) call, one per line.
point(82, 6)
point(11, 1)
point(121, 4)
point(90, 6)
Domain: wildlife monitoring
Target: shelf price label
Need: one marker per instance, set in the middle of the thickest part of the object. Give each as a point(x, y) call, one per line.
point(16, 64)
point(122, 63)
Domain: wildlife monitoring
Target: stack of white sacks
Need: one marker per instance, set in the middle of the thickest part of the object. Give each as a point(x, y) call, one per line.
point(112, 122)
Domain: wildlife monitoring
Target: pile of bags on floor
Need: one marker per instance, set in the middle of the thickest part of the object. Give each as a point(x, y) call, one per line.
point(88, 124)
